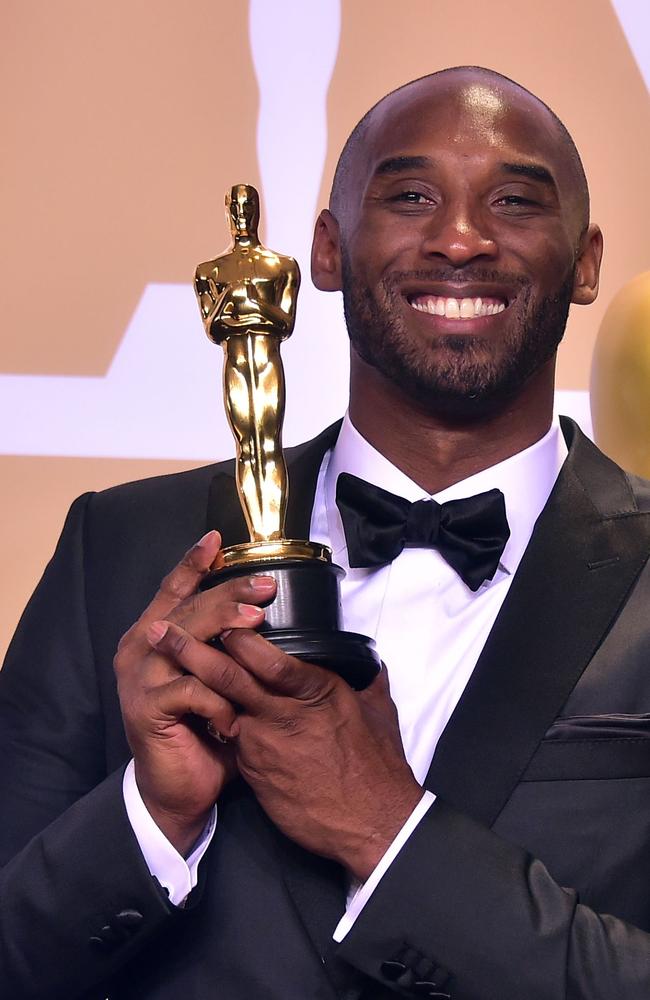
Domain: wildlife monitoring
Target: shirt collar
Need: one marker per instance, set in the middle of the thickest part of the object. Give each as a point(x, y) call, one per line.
point(525, 479)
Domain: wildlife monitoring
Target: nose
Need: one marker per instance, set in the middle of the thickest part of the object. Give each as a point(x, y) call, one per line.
point(459, 237)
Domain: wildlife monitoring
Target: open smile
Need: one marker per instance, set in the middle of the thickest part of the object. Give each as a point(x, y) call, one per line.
point(456, 308)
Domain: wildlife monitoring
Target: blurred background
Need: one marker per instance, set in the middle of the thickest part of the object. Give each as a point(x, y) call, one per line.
point(123, 124)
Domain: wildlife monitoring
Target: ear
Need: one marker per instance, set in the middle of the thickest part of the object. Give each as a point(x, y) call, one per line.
point(590, 253)
point(326, 253)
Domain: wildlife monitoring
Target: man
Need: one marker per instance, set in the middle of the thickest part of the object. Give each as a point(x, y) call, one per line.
point(510, 862)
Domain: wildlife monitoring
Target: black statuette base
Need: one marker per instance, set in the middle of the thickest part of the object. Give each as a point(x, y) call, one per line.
point(305, 616)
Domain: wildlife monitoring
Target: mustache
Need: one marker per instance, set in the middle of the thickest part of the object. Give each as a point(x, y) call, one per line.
point(460, 276)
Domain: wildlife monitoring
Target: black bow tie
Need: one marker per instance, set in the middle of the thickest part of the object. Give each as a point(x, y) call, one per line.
point(470, 534)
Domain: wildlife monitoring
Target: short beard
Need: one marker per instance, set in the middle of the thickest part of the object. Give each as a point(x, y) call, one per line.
point(459, 378)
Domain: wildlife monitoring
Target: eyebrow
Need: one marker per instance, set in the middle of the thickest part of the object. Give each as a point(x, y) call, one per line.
point(398, 164)
point(533, 170)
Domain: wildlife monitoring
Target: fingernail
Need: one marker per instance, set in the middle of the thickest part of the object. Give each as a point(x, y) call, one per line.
point(206, 540)
point(226, 632)
point(249, 610)
point(263, 583)
point(156, 632)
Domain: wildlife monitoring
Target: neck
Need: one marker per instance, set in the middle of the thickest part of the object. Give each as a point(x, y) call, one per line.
point(434, 450)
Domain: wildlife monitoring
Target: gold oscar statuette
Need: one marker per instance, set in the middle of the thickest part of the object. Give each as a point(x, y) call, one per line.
point(247, 297)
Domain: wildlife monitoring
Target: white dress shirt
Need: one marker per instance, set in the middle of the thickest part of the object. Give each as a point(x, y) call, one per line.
point(429, 627)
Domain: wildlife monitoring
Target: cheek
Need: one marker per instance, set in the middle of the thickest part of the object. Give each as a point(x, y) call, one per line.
point(547, 246)
point(378, 251)
point(547, 260)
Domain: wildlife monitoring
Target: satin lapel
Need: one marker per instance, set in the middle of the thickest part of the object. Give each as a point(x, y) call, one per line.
point(304, 463)
point(317, 886)
point(587, 549)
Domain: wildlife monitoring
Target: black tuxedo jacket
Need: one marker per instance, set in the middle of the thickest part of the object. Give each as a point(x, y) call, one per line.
point(527, 880)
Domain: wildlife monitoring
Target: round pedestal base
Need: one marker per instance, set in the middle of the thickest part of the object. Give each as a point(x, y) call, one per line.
point(305, 616)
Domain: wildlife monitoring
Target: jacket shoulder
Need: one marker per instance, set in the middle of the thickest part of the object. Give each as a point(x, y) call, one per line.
point(161, 490)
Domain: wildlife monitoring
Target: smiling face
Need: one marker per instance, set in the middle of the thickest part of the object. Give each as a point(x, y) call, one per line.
point(459, 240)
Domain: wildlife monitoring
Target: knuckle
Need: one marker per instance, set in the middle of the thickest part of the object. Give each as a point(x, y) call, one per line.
point(174, 585)
point(121, 658)
point(281, 666)
point(187, 684)
point(229, 590)
point(118, 662)
point(129, 637)
point(227, 677)
point(184, 609)
point(198, 602)
point(239, 588)
point(279, 663)
point(189, 690)
point(287, 724)
point(179, 642)
point(124, 641)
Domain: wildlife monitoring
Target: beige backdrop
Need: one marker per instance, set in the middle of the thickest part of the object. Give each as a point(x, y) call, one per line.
point(120, 120)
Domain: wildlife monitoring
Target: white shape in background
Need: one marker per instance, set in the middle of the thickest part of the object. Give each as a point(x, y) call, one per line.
point(294, 47)
point(634, 17)
point(161, 396)
point(159, 399)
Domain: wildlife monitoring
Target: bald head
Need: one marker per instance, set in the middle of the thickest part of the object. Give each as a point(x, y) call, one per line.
point(488, 97)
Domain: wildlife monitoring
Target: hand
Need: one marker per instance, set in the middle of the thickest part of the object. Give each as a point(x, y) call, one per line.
point(325, 762)
point(180, 768)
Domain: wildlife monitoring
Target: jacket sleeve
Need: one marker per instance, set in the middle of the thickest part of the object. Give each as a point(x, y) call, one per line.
point(76, 898)
point(463, 912)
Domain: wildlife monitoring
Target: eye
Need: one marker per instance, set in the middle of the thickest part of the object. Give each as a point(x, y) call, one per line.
point(513, 203)
point(413, 197)
point(514, 199)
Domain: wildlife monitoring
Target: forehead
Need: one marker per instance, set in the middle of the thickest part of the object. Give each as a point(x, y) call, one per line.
point(471, 118)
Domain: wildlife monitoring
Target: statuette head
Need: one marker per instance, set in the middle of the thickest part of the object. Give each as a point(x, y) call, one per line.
point(243, 209)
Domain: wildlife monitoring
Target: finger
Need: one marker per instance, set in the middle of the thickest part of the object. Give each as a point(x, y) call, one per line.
point(176, 586)
point(215, 670)
point(205, 614)
point(234, 604)
point(277, 670)
point(185, 696)
point(185, 577)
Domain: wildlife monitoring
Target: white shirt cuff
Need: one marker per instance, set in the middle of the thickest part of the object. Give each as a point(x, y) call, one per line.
point(357, 902)
point(175, 873)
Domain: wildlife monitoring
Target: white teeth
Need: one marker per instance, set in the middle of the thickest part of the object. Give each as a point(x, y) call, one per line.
point(453, 308)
